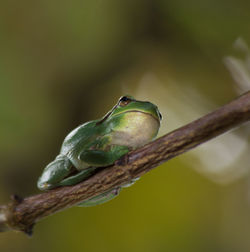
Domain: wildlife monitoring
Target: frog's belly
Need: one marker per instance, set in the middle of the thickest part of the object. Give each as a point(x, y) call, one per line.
point(136, 129)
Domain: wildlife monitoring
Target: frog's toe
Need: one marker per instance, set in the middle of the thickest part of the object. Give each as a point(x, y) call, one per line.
point(44, 186)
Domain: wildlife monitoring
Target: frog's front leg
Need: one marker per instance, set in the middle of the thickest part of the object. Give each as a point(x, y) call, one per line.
point(99, 158)
point(102, 198)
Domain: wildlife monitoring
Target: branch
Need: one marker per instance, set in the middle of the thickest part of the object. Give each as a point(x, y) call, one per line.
point(22, 214)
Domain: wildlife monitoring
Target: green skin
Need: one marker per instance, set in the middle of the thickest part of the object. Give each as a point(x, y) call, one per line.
point(129, 125)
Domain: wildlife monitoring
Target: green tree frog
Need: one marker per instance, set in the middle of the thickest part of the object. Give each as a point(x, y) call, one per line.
point(127, 126)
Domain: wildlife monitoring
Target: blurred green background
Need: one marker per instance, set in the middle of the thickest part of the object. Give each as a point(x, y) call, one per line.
point(66, 62)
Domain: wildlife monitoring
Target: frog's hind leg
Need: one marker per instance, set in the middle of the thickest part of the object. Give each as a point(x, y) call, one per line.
point(54, 172)
point(102, 198)
point(61, 172)
point(78, 177)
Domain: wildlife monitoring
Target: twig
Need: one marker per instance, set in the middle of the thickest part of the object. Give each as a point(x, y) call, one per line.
point(22, 214)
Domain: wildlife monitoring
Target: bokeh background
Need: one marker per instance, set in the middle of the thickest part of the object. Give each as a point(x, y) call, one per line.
point(66, 62)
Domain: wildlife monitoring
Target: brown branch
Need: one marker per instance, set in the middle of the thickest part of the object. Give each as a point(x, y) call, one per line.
point(22, 214)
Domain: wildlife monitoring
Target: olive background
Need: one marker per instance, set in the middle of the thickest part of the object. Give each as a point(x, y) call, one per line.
point(63, 63)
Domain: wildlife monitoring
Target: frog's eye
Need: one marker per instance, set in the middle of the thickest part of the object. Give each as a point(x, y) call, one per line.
point(124, 101)
point(160, 116)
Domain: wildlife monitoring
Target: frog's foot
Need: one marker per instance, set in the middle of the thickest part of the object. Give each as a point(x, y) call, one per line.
point(44, 186)
point(77, 177)
point(102, 198)
point(131, 182)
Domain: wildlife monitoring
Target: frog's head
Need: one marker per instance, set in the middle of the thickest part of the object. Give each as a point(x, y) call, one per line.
point(127, 104)
point(134, 122)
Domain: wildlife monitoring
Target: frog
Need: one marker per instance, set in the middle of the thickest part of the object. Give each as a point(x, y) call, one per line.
point(129, 125)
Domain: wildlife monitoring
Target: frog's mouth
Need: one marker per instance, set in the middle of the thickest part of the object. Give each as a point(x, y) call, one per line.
point(129, 111)
point(142, 112)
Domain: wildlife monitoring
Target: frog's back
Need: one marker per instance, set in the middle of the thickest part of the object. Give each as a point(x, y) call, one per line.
point(79, 138)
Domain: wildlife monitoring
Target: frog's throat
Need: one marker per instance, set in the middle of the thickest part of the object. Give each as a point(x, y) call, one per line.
point(135, 131)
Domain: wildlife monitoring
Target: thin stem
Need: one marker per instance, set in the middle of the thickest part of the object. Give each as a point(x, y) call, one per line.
point(22, 214)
